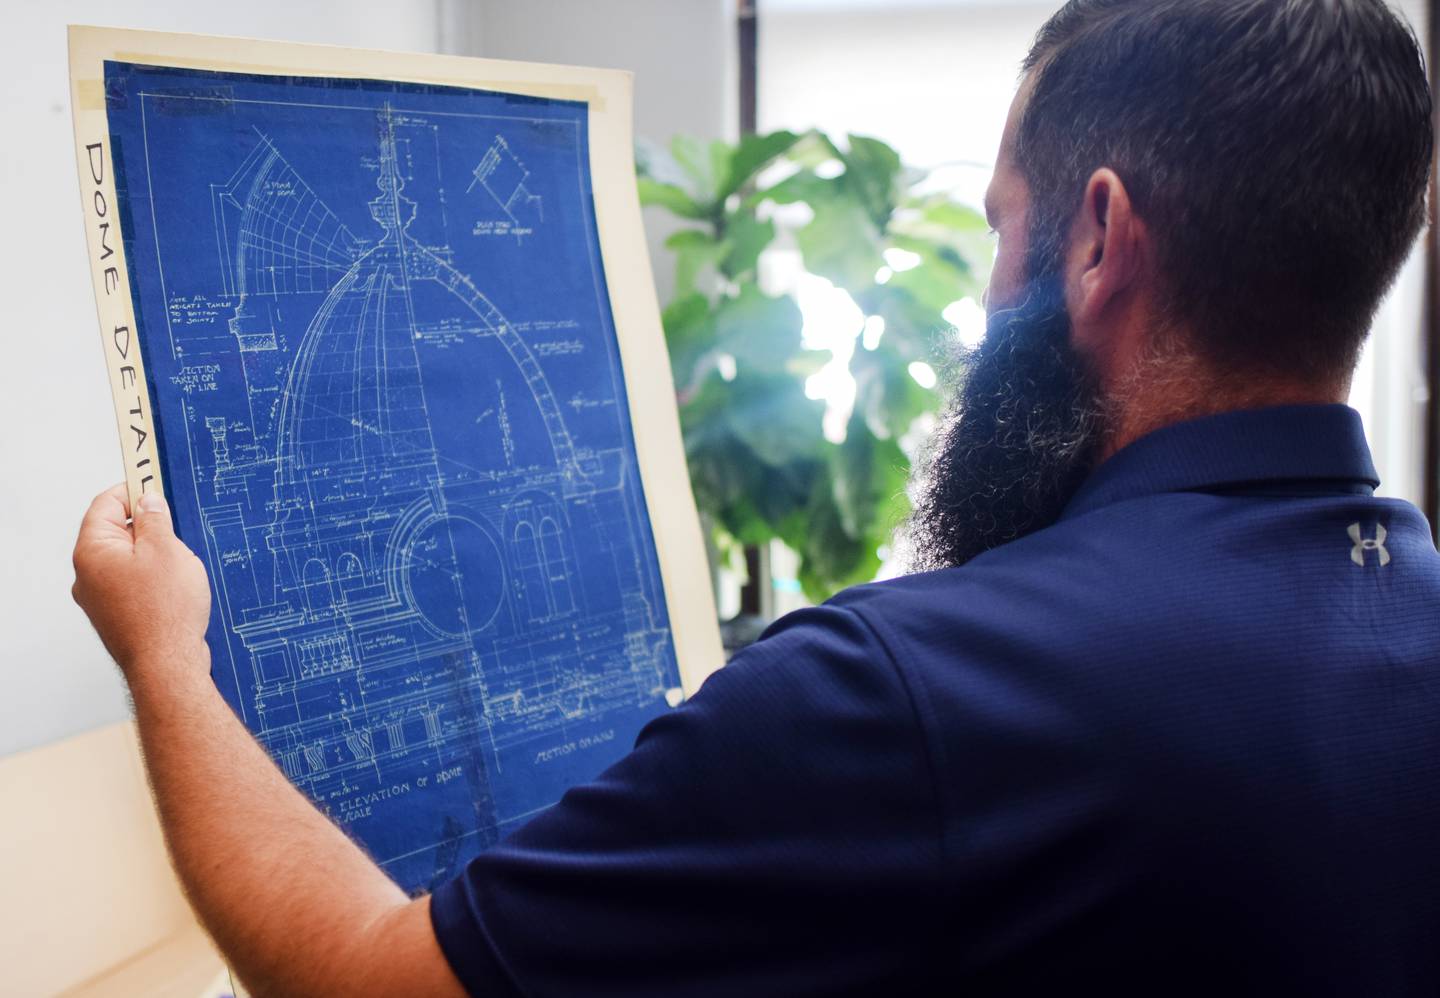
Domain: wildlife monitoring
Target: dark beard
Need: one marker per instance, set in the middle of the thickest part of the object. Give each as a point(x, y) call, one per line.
point(1018, 438)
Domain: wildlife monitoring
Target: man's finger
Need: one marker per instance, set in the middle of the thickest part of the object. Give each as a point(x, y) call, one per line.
point(112, 505)
point(107, 514)
point(152, 518)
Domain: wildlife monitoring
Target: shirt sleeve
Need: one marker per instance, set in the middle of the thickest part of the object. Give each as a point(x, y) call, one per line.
point(778, 832)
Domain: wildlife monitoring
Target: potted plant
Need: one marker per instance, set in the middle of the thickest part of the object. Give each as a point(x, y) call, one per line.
point(768, 459)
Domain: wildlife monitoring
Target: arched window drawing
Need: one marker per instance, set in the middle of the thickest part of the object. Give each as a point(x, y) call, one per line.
point(556, 567)
point(319, 597)
point(349, 573)
point(530, 573)
point(347, 567)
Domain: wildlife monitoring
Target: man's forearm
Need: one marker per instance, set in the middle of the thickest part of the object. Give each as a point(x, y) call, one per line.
point(294, 905)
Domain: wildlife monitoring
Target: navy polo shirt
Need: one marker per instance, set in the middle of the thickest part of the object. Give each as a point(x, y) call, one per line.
point(1184, 741)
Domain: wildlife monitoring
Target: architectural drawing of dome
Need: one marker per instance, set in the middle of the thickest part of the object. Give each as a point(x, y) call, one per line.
point(358, 477)
point(353, 447)
point(425, 585)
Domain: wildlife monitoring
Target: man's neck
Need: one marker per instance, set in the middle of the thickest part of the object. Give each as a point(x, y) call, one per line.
point(1162, 390)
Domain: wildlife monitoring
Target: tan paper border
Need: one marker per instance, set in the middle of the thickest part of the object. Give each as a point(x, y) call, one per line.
point(608, 93)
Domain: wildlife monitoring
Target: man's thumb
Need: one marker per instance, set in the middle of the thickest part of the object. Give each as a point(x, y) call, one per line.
point(152, 517)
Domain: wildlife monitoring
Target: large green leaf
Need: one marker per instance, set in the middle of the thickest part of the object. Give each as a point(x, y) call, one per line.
point(841, 243)
point(872, 173)
point(887, 398)
point(745, 238)
point(938, 225)
point(697, 160)
point(949, 216)
point(856, 502)
point(670, 197)
point(762, 333)
point(656, 163)
point(694, 251)
point(830, 558)
point(915, 330)
point(941, 278)
point(771, 414)
point(801, 186)
point(741, 477)
point(753, 154)
point(689, 336)
point(868, 476)
point(814, 148)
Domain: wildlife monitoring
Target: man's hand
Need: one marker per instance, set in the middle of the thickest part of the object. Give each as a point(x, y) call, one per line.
point(143, 589)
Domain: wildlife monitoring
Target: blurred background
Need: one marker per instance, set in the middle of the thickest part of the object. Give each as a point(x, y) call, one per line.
point(812, 171)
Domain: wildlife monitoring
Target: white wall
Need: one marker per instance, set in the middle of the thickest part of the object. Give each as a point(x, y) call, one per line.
point(935, 78)
point(682, 53)
point(55, 679)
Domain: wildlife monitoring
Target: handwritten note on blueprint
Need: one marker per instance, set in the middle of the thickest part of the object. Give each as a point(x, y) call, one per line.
point(392, 420)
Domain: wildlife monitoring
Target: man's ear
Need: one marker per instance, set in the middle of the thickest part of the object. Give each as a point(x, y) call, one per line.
point(1105, 249)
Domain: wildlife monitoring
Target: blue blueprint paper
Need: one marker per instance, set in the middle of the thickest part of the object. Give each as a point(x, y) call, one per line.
point(393, 423)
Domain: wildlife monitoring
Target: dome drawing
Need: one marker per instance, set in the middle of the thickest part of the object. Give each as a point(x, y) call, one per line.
point(426, 583)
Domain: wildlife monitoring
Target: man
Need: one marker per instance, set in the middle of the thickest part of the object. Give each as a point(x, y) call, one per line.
point(1162, 716)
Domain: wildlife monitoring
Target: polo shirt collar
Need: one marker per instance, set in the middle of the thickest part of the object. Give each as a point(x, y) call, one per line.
point(1292, 443)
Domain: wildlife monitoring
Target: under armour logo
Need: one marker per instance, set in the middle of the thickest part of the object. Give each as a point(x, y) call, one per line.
point(1363, 544)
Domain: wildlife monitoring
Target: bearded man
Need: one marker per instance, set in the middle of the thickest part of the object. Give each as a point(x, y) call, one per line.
point(1159, 715)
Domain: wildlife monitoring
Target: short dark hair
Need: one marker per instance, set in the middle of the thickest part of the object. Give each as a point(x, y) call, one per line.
point(1279, 150)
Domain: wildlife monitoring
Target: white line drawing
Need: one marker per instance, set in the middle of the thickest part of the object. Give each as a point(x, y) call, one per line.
point(273, 233)
point(503, 176)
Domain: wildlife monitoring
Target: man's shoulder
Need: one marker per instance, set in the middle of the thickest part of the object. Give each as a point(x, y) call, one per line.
point(1062, 570)
point(810, 655)
point(1135, 576)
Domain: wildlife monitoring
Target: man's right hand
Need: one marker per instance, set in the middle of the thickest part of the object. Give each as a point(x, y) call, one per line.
point(143, 589)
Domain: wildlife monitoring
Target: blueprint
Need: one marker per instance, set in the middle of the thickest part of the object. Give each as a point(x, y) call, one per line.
point(393, 423)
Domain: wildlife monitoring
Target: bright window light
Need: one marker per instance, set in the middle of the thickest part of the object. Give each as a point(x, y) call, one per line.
point(832, 321)
point(901, 260)
point(874, 329)
point(968, 318)
point(923, 374)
